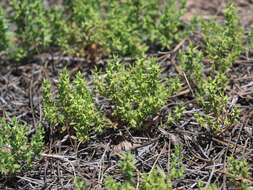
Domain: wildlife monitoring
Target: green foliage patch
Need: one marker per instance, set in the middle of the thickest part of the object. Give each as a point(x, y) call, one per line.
point(223, 44)
point(73, 107)
point(33, 31)
point(119, 27)
point(16, 152)
point(156, 179)
point(136, 91)
point(3, 30)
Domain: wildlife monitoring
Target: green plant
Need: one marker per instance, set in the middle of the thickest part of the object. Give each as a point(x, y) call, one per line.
point(213, 100)
point(246, 187)
point(223, 43)
point(61, 33)
point(177, 113)
point(191, 63)
point(87, 22)
point(3, 30)
point(128, 171)
point(121, 29)
point(136, 91)
point(17, 153)
point(158, 22)
point(238, 167)
point(249, 39)
point(168, 29)
point(156, 179)
point(79, 185)
point(210, 187)
point(208, 90)
point(74, 106)
point(33, 31)
point(176, 166)
point(211, 97)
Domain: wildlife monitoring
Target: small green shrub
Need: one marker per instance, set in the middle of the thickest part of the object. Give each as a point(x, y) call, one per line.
point(168, 29)
point(177, 113)
point(33, 31)
point(3, 30)
point(61, 33)
point(86, 23)
point(120, 27)
point(124, 28)
point(121, 31)
point(191, 62)
point(238, 167)
point(223, 43)
point(79, 185)
point(249, 39)
point(131, 25)
point(136, 91)
point(210, 187)
point(176, 166)
point(156, 179)
point(73, 107)
point(208, 90)
point(16, 152)
point(211, 97)
point(128, 171)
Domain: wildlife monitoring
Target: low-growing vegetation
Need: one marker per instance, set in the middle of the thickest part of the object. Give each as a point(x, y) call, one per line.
point(156, 179)
point(223, 45)
point(73, 107)
point(137, 91)
point(3, 30)
point(17, 154)
point(145, 84)
point(119, 27)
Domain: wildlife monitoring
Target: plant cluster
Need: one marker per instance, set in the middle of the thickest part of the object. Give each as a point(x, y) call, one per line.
point(126, 27)
point(176, 114)
point(3, 30)
point(167, 30)
point(176, 165)
point(249, 39)
point(136, 91)
point(73, 107)
point(33, 32)
point(156, 179)
point(119, 27)
point(238, 168)
point(17, 153)
point(79, 185)
point(223, 44)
